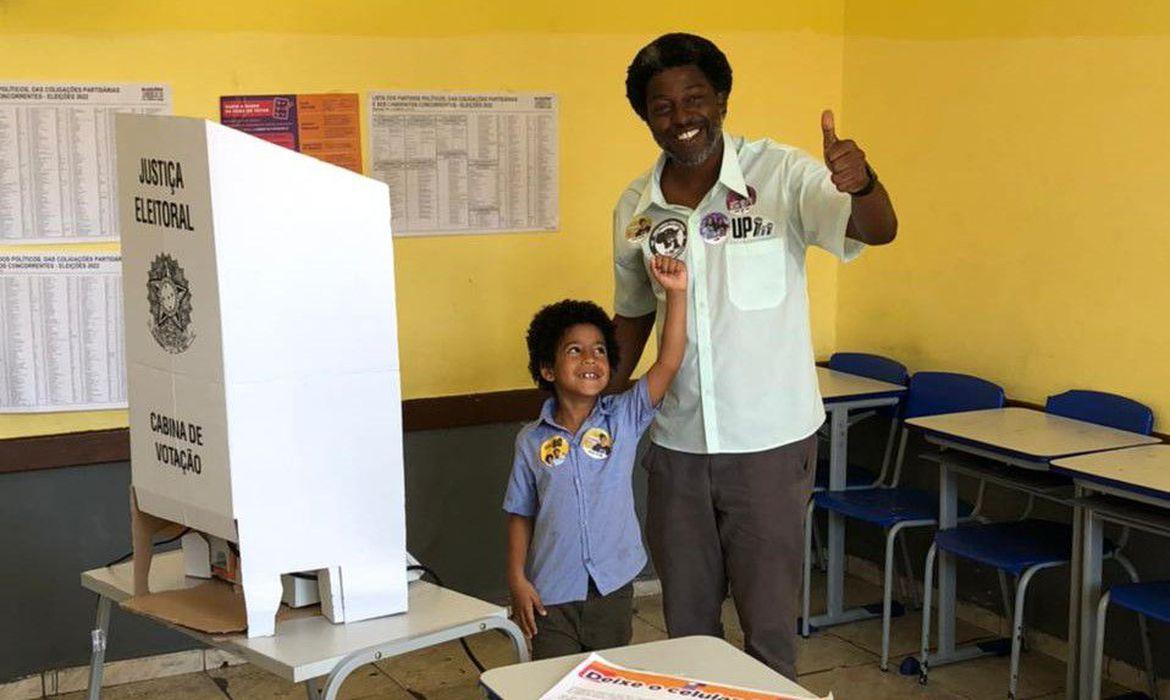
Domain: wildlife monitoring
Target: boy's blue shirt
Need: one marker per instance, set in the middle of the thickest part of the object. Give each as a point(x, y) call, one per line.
point(580, 493)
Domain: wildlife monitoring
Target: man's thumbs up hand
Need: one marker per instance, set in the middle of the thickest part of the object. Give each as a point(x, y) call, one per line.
point(846, 162)
point(828, 129)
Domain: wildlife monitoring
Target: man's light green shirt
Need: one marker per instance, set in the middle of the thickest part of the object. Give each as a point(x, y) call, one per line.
point(748, 380)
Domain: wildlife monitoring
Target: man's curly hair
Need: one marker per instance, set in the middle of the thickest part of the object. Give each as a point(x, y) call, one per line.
point(549, 325)
point(672, 51)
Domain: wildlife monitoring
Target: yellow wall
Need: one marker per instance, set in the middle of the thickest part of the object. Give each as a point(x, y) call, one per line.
point(1024, 143)
point(463, 302)
point(1026, 146)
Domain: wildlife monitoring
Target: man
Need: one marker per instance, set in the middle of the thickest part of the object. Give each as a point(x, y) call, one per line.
point(733, 449)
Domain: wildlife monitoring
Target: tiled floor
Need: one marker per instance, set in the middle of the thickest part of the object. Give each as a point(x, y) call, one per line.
point(843, 660)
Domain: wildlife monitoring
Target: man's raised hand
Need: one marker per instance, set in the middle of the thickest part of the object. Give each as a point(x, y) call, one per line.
point(843, 157)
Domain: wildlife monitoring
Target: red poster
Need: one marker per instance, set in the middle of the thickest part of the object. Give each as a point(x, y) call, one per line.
point(325, 126)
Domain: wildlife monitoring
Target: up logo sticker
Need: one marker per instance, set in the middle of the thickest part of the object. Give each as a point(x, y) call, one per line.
point(597, 443)
point(553, 451)
point(743, 227)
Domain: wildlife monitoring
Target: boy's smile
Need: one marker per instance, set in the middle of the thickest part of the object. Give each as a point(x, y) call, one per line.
point(581, 365)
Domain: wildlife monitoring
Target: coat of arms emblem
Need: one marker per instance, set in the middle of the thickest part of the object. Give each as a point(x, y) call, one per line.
point(170, 305)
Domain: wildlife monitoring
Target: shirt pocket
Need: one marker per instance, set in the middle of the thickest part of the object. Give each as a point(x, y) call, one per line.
point(756, 273)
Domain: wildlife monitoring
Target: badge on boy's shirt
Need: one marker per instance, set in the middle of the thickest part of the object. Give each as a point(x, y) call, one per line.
point(554, 450)
point(597, 443)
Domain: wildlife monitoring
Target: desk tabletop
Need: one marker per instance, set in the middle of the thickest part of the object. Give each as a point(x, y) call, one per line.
point(836, 386)
point(700, 658)
point(307, 647)
point(1028, 432)
point(1143, 469)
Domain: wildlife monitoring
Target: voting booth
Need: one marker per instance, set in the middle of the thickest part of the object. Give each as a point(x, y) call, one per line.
point(262, 358)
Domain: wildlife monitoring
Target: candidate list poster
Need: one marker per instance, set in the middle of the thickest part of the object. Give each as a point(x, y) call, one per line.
point(466, 163)
point(61, 332)
point(57, 158)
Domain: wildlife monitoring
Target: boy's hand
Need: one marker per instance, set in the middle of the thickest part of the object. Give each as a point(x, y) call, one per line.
point(525, 606)
point(670, 273)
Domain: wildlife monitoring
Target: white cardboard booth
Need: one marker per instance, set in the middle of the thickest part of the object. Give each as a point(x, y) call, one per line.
point(262, 353)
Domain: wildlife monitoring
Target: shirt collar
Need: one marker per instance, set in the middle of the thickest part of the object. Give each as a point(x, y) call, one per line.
point(730, 174)
point(549, 408)
point(652, 192)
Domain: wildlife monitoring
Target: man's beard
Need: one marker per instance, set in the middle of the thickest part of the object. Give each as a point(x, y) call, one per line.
point(690, 160)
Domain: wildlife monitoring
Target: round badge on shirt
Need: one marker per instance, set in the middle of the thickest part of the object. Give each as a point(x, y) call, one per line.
point(738, 204)
point(597, 443)
point(554, 450)
point(638, 228)
point(669, 238)
point(714, 227)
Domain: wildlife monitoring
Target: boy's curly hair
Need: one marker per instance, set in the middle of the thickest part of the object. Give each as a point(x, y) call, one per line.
point(548, 326)
point(672, 51)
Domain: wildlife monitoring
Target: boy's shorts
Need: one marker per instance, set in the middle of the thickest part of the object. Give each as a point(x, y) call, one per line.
point(598, 622)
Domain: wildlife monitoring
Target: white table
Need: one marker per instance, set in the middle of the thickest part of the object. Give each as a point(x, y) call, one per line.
point(309, 649)
point(1023, 438)
point(700, 658)
point(843, 393)
point(1129, 487)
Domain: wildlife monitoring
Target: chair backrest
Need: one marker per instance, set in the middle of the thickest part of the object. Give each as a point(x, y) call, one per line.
point(932, 393)
point(1103, 409)
point(876, 367)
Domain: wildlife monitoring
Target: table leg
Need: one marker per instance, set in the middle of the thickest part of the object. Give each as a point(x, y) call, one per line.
point(948, 652)
point(948, 505)
point(838, 459)
point(1089, 594)
point(518, 640)
point(835, 612)
point(313, 688)
point(98, 638)
point(350, 663)
point(1072, 670)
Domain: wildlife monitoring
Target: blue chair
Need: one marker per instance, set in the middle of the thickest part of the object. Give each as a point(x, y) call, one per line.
point(876, 367)
point(1150, 599)
point(882, 369)
point(1028, 545)
point(893, 508)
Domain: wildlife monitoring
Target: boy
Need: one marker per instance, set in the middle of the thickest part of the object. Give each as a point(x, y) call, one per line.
point(574, 543)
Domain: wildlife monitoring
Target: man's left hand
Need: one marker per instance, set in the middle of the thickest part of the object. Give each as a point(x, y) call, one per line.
point(845, 160)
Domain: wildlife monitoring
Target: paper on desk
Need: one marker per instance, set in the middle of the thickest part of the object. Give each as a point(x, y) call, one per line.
point(597, 679)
